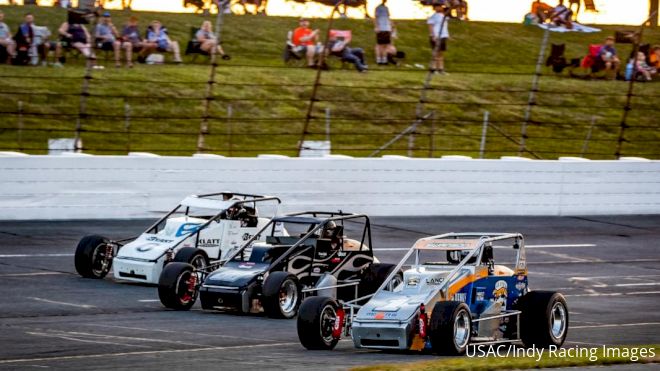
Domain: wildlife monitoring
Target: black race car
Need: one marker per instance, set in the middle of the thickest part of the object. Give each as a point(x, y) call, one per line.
point(303, 254)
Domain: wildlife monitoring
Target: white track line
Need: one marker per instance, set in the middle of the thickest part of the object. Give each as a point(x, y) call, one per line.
point(180, 332)
point(617, 325)
point(615, 294)
point(30, 274)
point(65, 337)
point(146, 352)
point(86, 306)
point(503, 247)
point(148, 300)
point(33, 255)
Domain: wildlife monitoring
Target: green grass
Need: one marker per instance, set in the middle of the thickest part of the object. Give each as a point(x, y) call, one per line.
point(521, 363)
point(490, 67)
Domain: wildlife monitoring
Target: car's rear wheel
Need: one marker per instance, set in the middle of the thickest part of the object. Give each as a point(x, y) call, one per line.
point(316, 321)
point(544, 319)
point(450, 328)
point(193, 256)
point(178, 286)
point(281, 295)
point(93, 258)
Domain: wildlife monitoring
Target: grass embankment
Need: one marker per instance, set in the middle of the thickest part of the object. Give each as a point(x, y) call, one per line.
point(268, 113)
point(511, 363)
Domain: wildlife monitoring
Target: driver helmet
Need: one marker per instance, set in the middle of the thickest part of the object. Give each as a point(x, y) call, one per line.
point(329, 229)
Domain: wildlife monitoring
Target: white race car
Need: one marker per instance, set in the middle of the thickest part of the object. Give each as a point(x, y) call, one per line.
point(202, 228)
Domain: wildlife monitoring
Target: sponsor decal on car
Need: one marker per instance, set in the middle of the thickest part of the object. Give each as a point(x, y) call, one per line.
point(383, 315)
point(434, 281)
point(460, 296)
point(208, 242)
point(158, 240)
point(500, 293)
point(412, 281)
point(247, 236)
point(187, 228)
point(146, 247)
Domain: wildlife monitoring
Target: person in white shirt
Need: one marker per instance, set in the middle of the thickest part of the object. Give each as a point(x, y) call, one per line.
point(438, 35)
point(5, 38)
point(383, 27)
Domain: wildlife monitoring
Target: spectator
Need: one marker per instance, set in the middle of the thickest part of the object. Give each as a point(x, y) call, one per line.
point(338, 45)
point(541, 10)
point(42, 45)
point(105, 37)
point(438, 35)
point(383, 27)
point(207, 40)
point(6, 40)
point(157, 35)
point(133, 42)
point(643, 68)
point(304, 41)
point(561, 15)
point(75, 35)
point(654, 57)
point(607, 58)
point(24, 39)
point(461, 7)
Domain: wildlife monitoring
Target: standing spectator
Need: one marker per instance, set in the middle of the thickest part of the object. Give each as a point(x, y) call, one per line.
point(304, 40)
point(207, 40)
point(75, 35)
point(338, 44)
point(438, 35)
point(158, 36)
point(383, 27)
point(105, 37)
point(6, 40)
point(607, 58)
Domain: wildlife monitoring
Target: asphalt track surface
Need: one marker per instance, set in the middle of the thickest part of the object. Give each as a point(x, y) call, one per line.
point(608, 268)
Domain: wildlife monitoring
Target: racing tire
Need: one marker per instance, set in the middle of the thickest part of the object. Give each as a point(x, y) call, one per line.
point(90, 256)
point(178, 288)
point(193, 256)
point(544, 319)
point(315, 322)
point(450, 328)
point(281, 295)
point(374, 276)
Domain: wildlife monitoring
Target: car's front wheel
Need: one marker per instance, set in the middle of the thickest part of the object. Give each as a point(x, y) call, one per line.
point(281, 295)
point(93, 257)
point(544, 319)
point(178, 286)
point(450, 328)
point(316, 321)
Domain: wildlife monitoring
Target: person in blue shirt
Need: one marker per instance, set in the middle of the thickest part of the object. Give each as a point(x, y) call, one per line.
point(607, 56)
point(25, 35)
point(106, 37)
point(156, 35)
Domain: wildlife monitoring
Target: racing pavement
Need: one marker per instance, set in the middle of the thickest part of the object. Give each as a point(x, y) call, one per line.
point(608, 268)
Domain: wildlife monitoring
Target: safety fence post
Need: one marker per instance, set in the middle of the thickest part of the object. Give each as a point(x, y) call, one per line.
point(531, 101)
point(484, 131)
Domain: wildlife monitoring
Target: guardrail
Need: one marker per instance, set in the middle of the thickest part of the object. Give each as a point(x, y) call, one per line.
point(79, 186)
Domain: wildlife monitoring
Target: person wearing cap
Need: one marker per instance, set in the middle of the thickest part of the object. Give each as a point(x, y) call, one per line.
point(438, 35)
point(607, 56)
point(106, 37)
point(305, 39)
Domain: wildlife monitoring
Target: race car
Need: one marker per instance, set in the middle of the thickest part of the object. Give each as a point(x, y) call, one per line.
point(453, 295)
point(274, 276)
point(201, 229)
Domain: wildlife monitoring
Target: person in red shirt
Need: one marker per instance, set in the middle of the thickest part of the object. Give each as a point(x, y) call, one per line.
point(305, 40)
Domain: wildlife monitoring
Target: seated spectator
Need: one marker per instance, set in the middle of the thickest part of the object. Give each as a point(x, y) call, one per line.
point(6, 40)
point(157, 35)
point(207, 40)
point(105, 37)
point(561, 15)
point(643, 68)
point(23, 39)
point(654, 57)
point(75, 35)
point(607, 57)
point(42, 45)
point(541, 10)
point(338, 45)
point(132, 42)
point(304, 40)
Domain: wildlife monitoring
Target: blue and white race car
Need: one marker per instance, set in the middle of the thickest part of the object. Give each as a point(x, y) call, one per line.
point(201, 229)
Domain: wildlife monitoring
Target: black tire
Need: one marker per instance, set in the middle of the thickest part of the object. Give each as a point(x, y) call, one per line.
point(90, 259)
point(374, 276)
point(173, 286)
point(193, 256)
point(281, 283)
point(446, 316)
point(315, 322)
point(544, 319)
